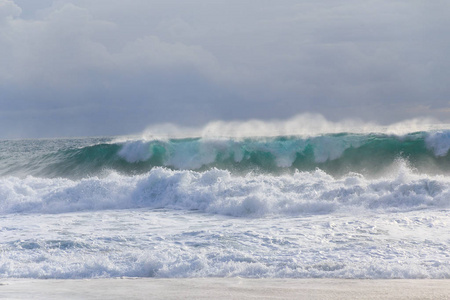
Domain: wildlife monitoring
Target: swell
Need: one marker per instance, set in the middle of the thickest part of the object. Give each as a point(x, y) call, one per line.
point(336, 154)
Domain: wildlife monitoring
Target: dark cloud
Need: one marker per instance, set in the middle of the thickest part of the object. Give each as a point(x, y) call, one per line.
point(114, 67)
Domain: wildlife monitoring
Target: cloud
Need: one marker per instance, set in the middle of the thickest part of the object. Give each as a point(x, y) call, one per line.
point(8, 10)
point(108, 67)
point(68, 42)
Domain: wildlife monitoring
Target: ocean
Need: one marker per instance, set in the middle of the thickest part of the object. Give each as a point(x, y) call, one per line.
point(341, 205)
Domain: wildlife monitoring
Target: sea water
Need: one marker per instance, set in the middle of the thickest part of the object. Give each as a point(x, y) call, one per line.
point(342, 205)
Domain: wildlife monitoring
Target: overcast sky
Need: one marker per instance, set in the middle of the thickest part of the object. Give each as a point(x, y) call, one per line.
point(109, 67)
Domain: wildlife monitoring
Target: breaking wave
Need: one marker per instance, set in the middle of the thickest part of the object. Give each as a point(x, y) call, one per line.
point(336, 154)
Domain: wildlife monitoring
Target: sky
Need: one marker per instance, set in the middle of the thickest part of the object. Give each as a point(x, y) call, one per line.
point(110, 67)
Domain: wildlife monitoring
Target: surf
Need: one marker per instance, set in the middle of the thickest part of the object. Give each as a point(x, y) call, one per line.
point(329, 205)
point(221, 192)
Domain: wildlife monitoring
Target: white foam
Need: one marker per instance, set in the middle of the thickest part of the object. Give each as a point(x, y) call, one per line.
point(197, 153)
point(161, 243)
point(193, 154)
point(331, 147)
point(135, 151)
point(220, 192)
point(439, 142)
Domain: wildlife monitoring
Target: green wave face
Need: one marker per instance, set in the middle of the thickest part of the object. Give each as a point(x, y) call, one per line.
point(336, 154)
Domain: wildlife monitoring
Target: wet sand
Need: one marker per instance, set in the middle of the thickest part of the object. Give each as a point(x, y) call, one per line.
point(223, 288)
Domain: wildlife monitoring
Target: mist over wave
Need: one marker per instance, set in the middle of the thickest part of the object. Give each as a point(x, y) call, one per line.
point(302, 125)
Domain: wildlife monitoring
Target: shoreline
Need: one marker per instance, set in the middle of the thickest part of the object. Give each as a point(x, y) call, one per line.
point(224, 288)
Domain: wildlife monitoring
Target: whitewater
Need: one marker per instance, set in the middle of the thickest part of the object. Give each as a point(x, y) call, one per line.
point(323, 205)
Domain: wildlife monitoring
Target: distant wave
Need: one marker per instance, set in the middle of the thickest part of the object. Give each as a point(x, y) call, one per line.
point(336, 154)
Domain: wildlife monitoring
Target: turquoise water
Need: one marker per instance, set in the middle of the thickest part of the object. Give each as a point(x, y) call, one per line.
point(335, 154)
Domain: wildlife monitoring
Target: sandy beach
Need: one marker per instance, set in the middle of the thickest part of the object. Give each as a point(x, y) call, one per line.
point(224, 288)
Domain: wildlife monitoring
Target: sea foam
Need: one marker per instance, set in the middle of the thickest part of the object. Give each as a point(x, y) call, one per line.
point(439, 142)
point(221, 192)
point(174, 244)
